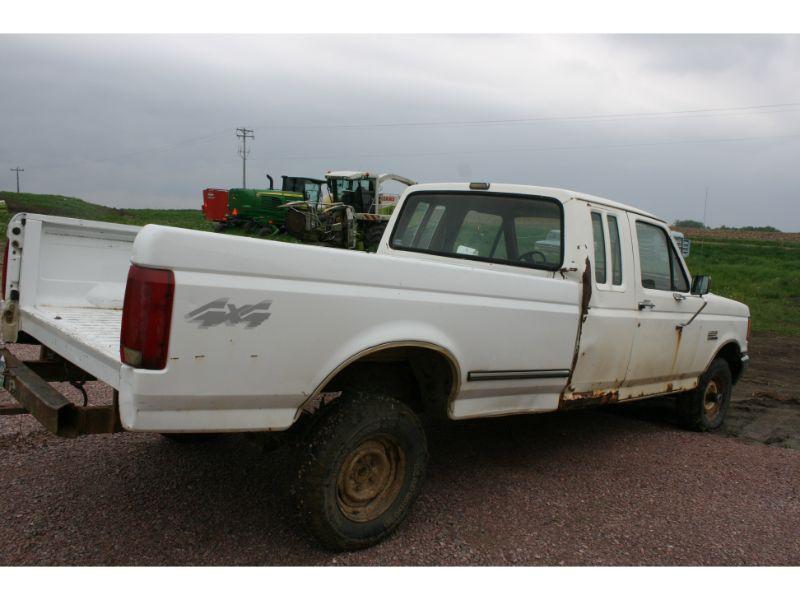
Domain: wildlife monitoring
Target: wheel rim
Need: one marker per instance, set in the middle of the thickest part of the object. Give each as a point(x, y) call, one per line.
point(713, 398)
point(370, 479)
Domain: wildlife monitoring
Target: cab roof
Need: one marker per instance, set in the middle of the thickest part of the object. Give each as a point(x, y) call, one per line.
point(561, 194)
point(365, 174)
point(313, 179)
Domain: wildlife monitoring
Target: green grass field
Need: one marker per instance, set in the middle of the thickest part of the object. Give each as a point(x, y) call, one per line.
point(64, 206)
point(761, 273)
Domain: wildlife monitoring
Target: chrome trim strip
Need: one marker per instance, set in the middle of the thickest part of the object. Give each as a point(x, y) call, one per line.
point(507, 375)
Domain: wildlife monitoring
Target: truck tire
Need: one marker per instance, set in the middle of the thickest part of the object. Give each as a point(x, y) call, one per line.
point(373, 235)
point(362, 464)
point(705, 407)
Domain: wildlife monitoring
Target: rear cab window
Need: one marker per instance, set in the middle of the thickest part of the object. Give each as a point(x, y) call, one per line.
point(519, 230)
point(599, 248)
point(616, 250)
point(607, 250)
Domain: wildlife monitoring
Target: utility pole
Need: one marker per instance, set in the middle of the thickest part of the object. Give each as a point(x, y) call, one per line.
point(705, 225)
point(18, 170)
point(244, 134)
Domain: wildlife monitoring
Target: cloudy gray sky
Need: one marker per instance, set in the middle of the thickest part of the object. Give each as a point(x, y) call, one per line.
point(148, 121)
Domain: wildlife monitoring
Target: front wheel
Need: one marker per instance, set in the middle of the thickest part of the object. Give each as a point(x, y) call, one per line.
point(705, 407)
point(266, 231)
point(363, 464)
point(373, 235)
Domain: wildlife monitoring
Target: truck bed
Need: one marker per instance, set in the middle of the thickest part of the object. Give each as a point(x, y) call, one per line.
point(71, 276)
point(259, 327)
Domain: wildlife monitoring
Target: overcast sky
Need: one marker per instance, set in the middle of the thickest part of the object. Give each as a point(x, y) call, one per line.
point(148, 121)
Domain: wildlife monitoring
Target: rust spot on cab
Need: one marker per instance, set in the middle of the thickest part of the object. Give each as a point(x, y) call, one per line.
point(592, 398)
point(678, 338)
point(586, 296)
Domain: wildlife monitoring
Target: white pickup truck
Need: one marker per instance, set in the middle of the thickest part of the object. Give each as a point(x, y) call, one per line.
point(462, 313)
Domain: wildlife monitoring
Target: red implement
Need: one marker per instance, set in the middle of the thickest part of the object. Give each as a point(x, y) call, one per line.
point(215, 204)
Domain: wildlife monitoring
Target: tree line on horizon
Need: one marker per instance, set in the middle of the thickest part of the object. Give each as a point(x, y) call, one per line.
point(693, 224)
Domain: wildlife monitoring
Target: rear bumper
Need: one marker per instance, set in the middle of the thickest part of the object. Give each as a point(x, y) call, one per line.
point(27, 381)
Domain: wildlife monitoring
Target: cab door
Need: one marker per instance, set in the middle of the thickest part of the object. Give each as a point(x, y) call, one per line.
point(609, 325)
point(662, 351)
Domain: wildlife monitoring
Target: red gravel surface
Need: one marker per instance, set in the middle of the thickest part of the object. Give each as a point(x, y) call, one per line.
point(577, 488)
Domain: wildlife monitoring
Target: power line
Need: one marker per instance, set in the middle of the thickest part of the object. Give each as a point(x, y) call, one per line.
point(539, 148)
point(151, 150)
point(244, 134)
point(18, 171)
point(690, 113)
point(730, 111)
point(177, 144)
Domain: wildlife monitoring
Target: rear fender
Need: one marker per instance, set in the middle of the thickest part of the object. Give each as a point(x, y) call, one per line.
point(378, 340)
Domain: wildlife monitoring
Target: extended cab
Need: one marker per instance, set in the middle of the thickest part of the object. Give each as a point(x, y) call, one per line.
point(482, 300)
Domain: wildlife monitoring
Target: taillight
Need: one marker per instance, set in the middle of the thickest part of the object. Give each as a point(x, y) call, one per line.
point(146, 317)
point(5, 272)
point(747, 339)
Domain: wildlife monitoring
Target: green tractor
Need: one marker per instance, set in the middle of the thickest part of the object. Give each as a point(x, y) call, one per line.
point(312, 189)
point(262, 211)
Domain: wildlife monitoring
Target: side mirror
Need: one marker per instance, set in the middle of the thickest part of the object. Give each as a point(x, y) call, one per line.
point(701, 285)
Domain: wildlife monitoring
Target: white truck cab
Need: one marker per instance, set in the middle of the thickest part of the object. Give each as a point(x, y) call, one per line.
point(482, 300)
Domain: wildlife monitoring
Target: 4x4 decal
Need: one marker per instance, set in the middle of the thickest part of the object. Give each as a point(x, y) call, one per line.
point(221, 311)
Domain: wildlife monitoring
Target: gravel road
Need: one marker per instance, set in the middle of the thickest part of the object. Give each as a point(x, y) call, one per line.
point(585, 487)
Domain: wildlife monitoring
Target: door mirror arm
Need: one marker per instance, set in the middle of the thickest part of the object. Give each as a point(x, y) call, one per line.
point(680, 326)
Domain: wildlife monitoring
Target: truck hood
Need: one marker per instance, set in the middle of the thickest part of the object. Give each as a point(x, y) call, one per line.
point(719, 305)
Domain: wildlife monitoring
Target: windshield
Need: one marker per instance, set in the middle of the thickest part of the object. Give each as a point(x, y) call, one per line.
point(340, 187)
point(312, 192)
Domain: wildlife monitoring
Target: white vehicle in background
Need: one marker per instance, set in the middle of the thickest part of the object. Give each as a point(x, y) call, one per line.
point(462, 313)
point(550, 244)
point(683, 243)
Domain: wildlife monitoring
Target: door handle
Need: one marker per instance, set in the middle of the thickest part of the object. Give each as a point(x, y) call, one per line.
point(646, 304)
point(678, 296)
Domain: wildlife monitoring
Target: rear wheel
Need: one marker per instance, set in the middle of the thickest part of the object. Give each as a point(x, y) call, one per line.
point(363, 464)
point(705, 407)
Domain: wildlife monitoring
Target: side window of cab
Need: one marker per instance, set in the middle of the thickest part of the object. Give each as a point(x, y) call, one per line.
point(607, 250)
point(661, 268)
